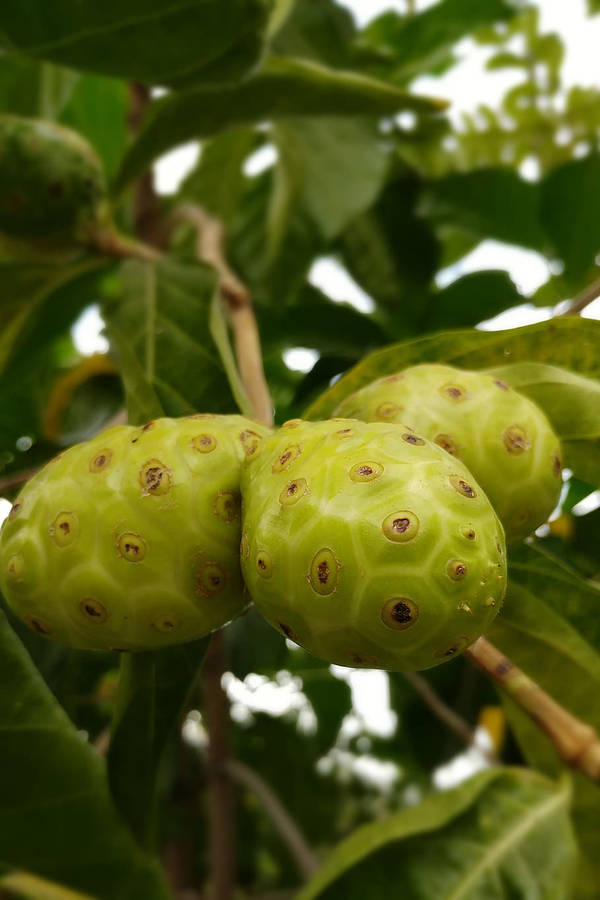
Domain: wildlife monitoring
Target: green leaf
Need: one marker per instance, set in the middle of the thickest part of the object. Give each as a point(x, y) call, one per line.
point(504, 832)
point(492, 203)
point(161, 329)
point(571, 402)
point(570, 342)
point(321, 30)
point(30, 887)
point(471, 299)
point(29, 88)
point(153, 688)
point(420, 42)
point(282, 87)
point(168, 42)
point(50, 775)
point(569, 213)
point(98, 109)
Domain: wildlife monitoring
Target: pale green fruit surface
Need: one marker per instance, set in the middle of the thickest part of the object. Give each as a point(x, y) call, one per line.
point(52, 187)
point(131, 541)
point(503, 438)
point(369, 546)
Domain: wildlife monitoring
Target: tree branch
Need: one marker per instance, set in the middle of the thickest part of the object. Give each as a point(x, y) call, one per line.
point(446, 714)
point(576, 742)
point(583, 299)
point(238, 302)
point(299, 849)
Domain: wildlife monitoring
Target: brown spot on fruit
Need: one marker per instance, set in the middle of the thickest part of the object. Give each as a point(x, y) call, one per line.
point(15, 511)
point(515, 440)
point(457, 646)
point(292, 423)
point(286, 458)
point(463, 487)
point(392, 379)
point(400, 613)
point(293, 491)
point(148, 426)
point(288, 632)
point(324, 572)
point(456, 569)
point(264, 565)
point(365, 471)
point(15, 568)
point(165, 622)
point(556, 465)
point(343, 433)
point(204, 443)
point(101, 460)
point(413, 439)
point(468, 532)
point(447, 443)
point(131, 546)
point(387, 410)
point(93, 610)
point(401, 526)
point(251, 442)
point(211, 578)
point(155, 478)
point(453, 392)
point(39, 625)
point(228, 506)
point(65, 529)
point(501, 384)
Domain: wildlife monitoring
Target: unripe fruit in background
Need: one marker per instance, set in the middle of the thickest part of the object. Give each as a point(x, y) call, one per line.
point(131, 540)
point(369, 546)
point(503, 438)
point(52, 187)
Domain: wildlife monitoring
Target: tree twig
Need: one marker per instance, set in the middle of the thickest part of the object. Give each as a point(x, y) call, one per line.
point(446, 714)
point(148, 221)
point(583, 299)
point(576, 742)
point(299, 848)
point(16, 479)
point(238, 302)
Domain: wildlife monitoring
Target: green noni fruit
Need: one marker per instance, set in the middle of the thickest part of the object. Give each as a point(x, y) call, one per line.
point(52, 187)
point(503, 438)
point(370, 546)
point(131, 540)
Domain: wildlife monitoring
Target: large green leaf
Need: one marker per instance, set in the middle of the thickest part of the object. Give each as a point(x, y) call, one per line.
point(169, 42)
point(29, 88)
point(50, 777)
point(97, 109)
point(471, 299)
point(160, 326)
point(153, 688)
point(570, 342)
point(282, 87)
point(571, 402)
point(505, 832)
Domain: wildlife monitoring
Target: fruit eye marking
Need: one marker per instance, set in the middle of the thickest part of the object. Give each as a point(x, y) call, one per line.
point(365, 471)
point(457, 646)
point(39, 625)
point(93, 610)
point(204, 443)
point(387, 410)
point(463, 487)
point(515, 440)
point(456, 569)
point(501, 384)
point(16, 508)
point(155, 478)
point(556, 465)
point(400, 613)
point(165, 622)
point(288, 632)
point(16, 567)
point(401, 526)
point(447, 443)
point(65, 529)
point(323, 576)
point(453, 392)
point(101, 460)
point(343, 433)
point(289, 455)
point(131, 546)
point(227, 506)
point(264, 565)
point(468, 532)
point(292, 423)
point(293, 491)
point(413, 439)
point(251, 441)
point(211, 579)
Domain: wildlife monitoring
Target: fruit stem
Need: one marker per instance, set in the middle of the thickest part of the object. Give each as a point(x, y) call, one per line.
point(576, 742)
point(583, 299)
point(111, 242)
point(238, 302)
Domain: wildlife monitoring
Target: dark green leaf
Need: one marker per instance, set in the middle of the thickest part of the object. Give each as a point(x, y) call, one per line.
point(50, 775)
point(283, 87)
point(503, 833)
point(471, 299)
point(167, 43)
point(153, 688)
point(98, 109)
point(318, 29)
point(29, 88)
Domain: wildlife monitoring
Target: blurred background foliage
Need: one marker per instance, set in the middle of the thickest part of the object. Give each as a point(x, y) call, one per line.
point(313, 150)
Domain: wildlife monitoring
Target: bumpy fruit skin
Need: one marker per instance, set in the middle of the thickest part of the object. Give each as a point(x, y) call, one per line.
point(369, 546)
point(131, 541)
point(52, 188)
point(503, 438)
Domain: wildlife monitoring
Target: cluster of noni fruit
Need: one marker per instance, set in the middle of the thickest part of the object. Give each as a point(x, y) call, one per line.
point(374, 539)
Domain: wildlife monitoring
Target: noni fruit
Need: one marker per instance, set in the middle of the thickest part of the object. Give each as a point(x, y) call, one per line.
point(52, 187)
point(503, 438)
point(131, 540)
point(370, 546)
